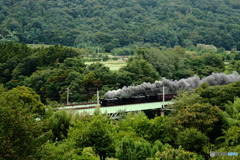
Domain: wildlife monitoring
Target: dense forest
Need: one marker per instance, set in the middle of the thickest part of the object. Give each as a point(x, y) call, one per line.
point(171, 39)
point(201, 122)
point(33, 83)
point(50, 70)
point(110, 24)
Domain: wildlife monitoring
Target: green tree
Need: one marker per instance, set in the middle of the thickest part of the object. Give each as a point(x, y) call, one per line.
point(156, 131)
point(142, 71)
point(142, 149)
point(207, 63)
point(31, 100)
point(179, 50)
point(102, 73)
point(26, 67)
point(95, 132)
point(60, 123)
point(133, 150)
point(232, 136)
point(220, 95)
point(194, 116)
point(192, 140)
point(21, 135)
point(58, 151)
point(162, 35)
point(50, 84)
point(124, 78)
point(73, 64)
point(166, 62)
point(126, 150)
point(192, 113)
point(157, 146)
point(136, 122)
point(53, 55)
point(179, 154)
point(90, 82)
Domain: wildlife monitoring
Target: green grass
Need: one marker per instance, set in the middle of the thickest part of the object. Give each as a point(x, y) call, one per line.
point(38, 45)
point(113, 65)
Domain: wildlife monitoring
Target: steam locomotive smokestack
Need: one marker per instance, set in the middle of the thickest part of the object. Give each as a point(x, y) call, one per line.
point(172, 86)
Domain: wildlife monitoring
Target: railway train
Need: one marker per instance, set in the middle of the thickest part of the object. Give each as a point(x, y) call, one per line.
point(136, 99)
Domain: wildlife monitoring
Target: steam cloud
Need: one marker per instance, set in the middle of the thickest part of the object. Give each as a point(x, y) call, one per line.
point(172, 86)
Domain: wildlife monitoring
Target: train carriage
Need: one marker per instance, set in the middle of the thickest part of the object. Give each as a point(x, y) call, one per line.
point(136, 99)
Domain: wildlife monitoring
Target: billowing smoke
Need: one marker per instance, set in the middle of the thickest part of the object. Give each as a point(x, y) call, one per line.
point(172, 86)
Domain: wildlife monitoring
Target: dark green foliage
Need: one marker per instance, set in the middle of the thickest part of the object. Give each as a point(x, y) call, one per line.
point(137, 122)
point(74, 64)
point(126, 150)
point(142, 149)
point(60, 123)
point(19, 60)
point(99, 136)
point(20, 133)
point(55, 54)
point(192, 140)
point(58, 151)
point(178, 154)
point(48, 83)
point(133, 150)
point(26, 67)
point(111, 24)
point(157, 146)
point(31, 100)
point(232, 136)
point(220, 95)
point(168, 63)
point(156, 129)
point(232, 110)
point(10, 50)
point(191, 128)
point(13, 55)
point(207, 63)
point(141, 71)
point(123, 51)
point(195, 116)
point(192, 111)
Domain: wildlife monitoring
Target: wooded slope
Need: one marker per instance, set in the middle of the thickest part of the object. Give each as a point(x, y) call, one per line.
point(110, 24)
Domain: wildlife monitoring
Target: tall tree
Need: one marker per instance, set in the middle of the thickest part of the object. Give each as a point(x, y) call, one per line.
point(192, 140)
point(19, 131)
point(96, 132)
point(142, 71)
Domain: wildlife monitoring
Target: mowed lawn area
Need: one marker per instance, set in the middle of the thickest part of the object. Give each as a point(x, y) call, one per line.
point(112, 64)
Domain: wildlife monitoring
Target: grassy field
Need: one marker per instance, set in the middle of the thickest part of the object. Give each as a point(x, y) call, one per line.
point(38, 45)
point(113, 65)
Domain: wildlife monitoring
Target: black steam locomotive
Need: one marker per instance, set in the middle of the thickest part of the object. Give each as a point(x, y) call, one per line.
point(136, 99)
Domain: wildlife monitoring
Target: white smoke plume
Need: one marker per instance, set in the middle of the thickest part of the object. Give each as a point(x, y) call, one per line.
point(172, 86)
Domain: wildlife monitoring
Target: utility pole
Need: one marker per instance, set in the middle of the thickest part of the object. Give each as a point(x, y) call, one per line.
point(163, 94)
point(97, 97)
point(67, 95)
point(162, 111)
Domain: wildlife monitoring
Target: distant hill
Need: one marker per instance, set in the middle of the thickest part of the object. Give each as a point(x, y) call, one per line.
point(111, 24)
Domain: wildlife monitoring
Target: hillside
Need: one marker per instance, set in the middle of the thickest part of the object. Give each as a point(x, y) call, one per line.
point(111, 24)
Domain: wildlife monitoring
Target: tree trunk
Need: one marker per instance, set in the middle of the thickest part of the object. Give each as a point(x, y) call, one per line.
point(102, 156)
